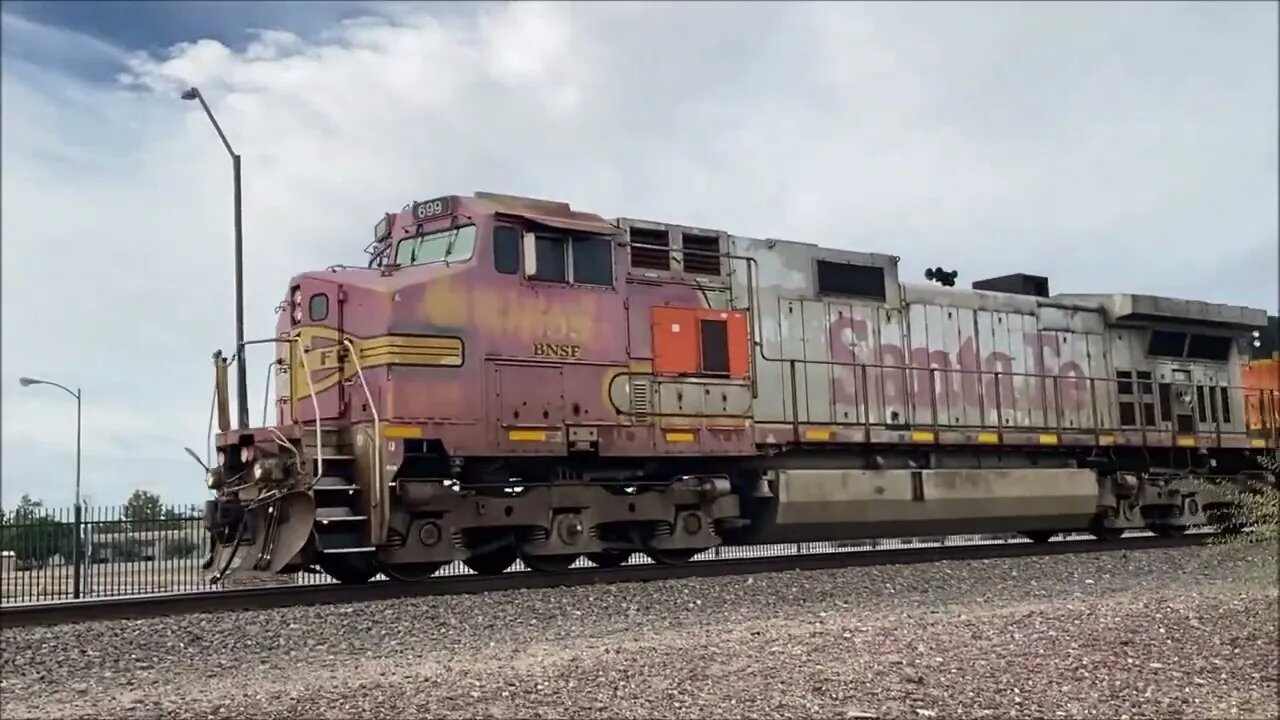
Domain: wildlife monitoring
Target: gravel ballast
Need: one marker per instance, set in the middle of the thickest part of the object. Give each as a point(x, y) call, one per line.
point(1164, 633)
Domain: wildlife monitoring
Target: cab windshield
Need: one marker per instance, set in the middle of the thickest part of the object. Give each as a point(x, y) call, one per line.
point(454, 245)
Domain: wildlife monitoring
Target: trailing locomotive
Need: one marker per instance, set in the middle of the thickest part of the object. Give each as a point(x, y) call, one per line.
point(1261, 376)
point(510, 378)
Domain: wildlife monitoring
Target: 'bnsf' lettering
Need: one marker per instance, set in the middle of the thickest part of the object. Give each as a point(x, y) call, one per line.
point(556, 350)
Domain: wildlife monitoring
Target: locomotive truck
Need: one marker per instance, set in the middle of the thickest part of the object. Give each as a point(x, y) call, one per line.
point(509, 378)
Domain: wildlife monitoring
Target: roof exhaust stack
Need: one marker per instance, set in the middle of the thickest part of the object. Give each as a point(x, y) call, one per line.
point(1016, 284)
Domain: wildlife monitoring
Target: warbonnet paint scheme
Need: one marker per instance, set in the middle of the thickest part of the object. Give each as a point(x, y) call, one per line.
point(511, 378)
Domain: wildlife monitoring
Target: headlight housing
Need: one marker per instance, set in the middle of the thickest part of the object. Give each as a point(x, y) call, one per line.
point(268, 469)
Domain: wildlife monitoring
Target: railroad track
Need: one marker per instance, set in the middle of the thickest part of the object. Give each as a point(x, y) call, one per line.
point(147, 606)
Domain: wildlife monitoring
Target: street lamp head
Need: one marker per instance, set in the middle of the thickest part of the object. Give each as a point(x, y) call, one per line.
point(190, 94)
point(28, 382)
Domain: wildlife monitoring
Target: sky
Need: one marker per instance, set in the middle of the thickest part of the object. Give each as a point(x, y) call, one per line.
point(1122, 147)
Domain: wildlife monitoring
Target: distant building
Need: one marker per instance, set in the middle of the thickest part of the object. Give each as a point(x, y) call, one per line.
point(132, 546)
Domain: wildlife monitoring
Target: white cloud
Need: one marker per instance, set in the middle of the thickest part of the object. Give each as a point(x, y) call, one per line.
point(1126, 147)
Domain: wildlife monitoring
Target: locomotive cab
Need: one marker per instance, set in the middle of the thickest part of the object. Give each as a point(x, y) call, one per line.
point(344, 337)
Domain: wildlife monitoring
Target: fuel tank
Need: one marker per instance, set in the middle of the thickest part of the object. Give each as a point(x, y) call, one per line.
point(846, 504)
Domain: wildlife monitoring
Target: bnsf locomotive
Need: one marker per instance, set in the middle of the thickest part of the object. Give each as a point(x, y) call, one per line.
point(509, 378)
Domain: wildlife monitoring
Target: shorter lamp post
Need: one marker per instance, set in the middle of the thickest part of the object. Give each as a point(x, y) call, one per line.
point(77, 554)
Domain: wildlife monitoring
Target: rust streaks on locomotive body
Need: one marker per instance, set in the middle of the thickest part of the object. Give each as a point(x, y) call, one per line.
point(512, 378)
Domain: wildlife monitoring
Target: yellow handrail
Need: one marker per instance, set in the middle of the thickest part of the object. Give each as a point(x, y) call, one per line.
point(315, 404)
point(373, 410)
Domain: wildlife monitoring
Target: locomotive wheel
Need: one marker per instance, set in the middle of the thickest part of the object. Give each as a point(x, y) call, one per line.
point(1103, 532)
point(1168, 531)
point(549, 563)
point(1106, 534)
point(1039, 537)
point(492, 563)
point(349, 569)
point(1226, 522)
point(411, 572)
point(671, 557)
point(609, 558)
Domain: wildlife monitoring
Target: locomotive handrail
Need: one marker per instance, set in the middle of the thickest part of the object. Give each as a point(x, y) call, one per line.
point(377, 428)
point(208, 435)
point(1043, 384)
point(315, 404)
point(1040, 417)
point(266, 389)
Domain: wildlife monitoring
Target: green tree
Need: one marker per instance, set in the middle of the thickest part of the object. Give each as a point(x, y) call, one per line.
point(180, 547)
point(34, 535)
point(143, 511)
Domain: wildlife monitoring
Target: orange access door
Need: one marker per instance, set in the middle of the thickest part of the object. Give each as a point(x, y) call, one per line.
point(697, 341)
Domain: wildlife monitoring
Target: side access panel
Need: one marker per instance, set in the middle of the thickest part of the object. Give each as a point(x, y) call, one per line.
point(689, 341)
point(701, 390)
point(526, 406)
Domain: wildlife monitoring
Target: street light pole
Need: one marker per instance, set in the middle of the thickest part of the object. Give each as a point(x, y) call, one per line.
point(242, 376)
point(77, 552)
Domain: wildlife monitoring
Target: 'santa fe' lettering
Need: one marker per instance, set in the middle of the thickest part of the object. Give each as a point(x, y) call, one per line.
point(955, 390)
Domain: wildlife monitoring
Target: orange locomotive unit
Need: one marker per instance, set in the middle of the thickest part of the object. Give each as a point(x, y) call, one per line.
point(1261, 375)
point(510, 378)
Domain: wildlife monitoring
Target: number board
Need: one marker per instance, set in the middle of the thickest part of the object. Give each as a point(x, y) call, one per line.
point(428, 209)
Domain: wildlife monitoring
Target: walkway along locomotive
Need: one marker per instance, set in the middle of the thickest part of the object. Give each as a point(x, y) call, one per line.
point(510, 378)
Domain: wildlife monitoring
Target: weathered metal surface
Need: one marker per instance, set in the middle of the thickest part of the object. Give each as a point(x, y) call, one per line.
point(474, 352)
point(1262, 409)
point(875, 503)
point(1131, 308)
point(924, 356)
point(968, 359)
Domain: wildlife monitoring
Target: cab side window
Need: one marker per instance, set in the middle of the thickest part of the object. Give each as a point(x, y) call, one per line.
point(578, 259)
point(552, 263)
point(506, 249)
point(319, 307)
point(592, 260)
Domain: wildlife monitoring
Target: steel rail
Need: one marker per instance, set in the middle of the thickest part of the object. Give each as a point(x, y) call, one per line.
point(149, 606)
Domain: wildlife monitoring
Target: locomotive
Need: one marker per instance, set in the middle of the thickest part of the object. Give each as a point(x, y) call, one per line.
point(509, 378)
point(1261, 374)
